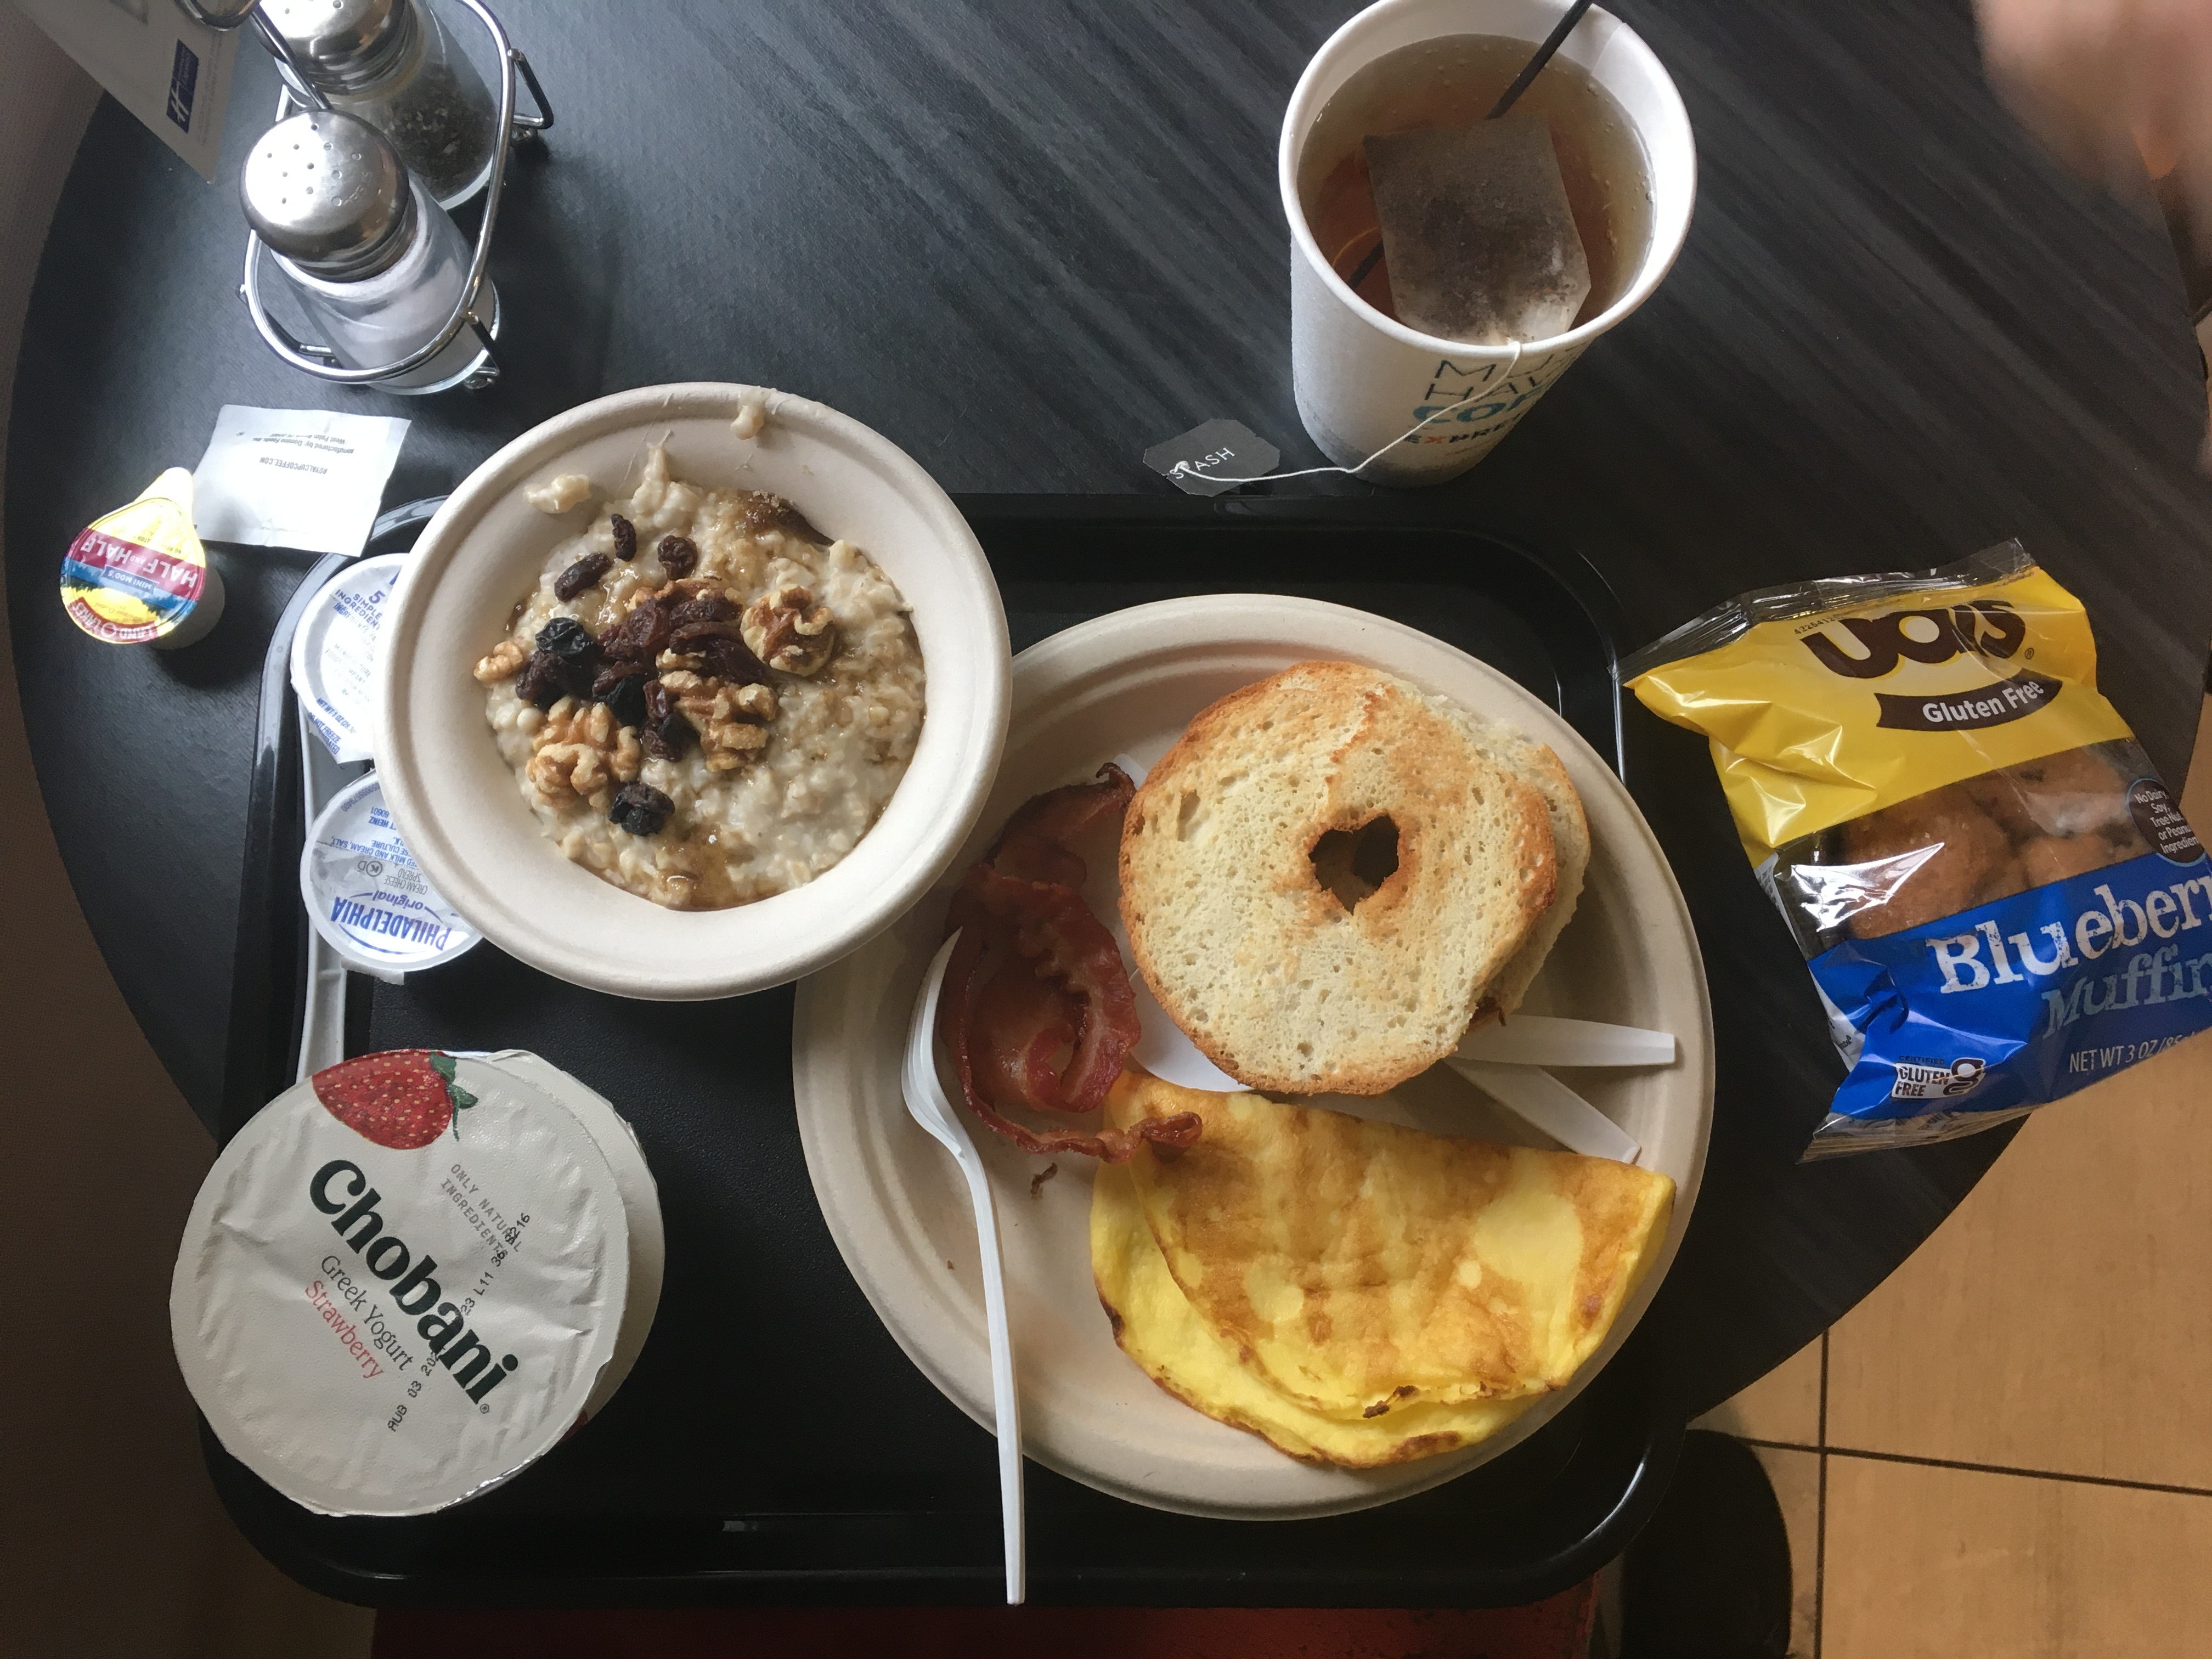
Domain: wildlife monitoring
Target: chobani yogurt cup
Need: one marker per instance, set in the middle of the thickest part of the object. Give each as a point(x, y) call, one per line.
point(365, 895)
point(334, 654)
point(401, 1283)
point(140, 575)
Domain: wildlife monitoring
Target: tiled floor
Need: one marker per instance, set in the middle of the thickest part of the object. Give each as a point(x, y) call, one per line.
point(2004, 1452)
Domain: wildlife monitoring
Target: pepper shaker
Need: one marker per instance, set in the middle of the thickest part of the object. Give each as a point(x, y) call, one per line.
point(373, 259)
point(393, 64)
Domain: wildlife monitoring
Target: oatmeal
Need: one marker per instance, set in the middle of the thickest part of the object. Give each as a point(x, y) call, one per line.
point(703, 700)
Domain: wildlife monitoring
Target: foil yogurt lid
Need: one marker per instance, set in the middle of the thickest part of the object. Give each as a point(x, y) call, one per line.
point(365, 895)
point(641, 1195)
point(400, 1283)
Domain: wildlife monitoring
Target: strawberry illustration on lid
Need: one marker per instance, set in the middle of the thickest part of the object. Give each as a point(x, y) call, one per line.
point(403, 1098)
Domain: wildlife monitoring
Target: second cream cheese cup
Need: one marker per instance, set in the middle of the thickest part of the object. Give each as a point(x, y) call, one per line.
point(1363, 379)
point(364, 894)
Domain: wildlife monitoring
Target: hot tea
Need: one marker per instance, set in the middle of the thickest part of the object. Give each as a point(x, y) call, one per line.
point(1453, 81)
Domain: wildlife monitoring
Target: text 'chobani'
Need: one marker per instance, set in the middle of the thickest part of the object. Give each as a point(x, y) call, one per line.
point(443, 1325)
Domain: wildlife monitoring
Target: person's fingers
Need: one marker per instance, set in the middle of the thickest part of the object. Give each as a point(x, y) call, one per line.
point(2069, 72)
point(2176, 95)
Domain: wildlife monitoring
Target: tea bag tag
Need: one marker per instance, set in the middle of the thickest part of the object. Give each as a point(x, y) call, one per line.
point(1175, 461)
point(1213, 457)
point(1478, 230)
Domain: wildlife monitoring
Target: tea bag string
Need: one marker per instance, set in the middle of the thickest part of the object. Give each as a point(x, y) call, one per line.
point(1184, 469)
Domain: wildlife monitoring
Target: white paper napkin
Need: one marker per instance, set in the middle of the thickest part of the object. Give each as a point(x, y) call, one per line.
point(305, 479)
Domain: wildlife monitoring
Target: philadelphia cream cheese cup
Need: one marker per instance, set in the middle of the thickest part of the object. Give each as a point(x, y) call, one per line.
point(366, 897)
point(402, 1282)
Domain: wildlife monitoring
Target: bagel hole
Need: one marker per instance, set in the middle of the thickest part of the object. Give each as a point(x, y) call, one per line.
point(1354, 863)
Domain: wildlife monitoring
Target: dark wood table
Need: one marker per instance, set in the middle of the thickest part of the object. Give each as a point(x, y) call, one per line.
point(1027, 240)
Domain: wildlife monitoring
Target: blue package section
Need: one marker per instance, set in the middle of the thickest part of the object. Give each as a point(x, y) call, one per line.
point(2025, 1000)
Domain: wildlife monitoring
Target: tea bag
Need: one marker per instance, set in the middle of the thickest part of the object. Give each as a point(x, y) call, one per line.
point(1480, 239)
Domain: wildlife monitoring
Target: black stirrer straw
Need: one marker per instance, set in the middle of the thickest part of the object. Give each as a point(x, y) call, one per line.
point(1506, 100)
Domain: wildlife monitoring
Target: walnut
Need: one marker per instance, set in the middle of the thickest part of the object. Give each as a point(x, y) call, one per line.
point(731, 720)
point(788, 631)
point(579, 751)
point(629, 756)
point(504, 659)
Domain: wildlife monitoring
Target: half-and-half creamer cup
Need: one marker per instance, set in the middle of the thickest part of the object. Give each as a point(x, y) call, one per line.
point(404, 1281)
point(139, 575)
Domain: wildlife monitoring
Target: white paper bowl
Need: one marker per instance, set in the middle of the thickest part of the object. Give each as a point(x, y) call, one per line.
point(459, 806)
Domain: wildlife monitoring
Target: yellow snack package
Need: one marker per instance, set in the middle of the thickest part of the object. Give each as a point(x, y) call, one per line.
point(1997, 895)
point(140, 575)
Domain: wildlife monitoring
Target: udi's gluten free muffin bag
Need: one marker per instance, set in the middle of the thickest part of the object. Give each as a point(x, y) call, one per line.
point(1998, 898)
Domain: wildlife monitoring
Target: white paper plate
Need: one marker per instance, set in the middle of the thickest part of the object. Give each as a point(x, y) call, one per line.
point(1127, 683)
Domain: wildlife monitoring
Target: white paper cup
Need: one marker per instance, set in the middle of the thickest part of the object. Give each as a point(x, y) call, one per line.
point(1361, 378)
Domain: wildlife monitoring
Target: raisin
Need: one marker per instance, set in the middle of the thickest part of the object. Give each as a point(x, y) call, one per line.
point(625, 539)
point(665, 733)
point(767, 512)
point(679, 554)
point(640, 809)
point(666, 739)
point(730, 661)
point(639, 636)
point(585, 573)
point(568, 645)
point(543, 681)
point(712, 606)
point(567, 638)
point(621, 686)
point(610, 672)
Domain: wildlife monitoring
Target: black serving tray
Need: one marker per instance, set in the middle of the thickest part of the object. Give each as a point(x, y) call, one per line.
point(772, 1444)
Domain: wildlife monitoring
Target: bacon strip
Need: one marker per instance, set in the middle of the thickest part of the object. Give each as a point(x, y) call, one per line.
point(1035, 972)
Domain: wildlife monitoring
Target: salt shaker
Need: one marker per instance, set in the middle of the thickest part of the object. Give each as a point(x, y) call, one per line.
point(393, 64)
point(376, 263)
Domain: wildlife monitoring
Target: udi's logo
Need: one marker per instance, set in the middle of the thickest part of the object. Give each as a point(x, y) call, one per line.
point(1873, 646)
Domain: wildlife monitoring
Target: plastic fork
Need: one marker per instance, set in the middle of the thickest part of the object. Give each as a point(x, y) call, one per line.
point(931, 1107)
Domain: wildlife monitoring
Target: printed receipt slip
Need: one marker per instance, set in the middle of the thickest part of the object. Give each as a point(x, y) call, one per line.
point(409, 1277)
point(1999, 900)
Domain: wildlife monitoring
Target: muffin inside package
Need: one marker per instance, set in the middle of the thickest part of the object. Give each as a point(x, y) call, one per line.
point(1999, 900)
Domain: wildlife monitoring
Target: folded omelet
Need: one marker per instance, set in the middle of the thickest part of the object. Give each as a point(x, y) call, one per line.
point(1156, 1327)
point(1360, 1293)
